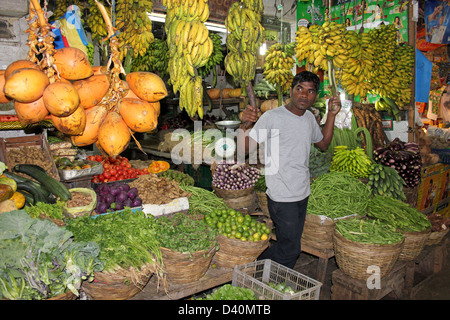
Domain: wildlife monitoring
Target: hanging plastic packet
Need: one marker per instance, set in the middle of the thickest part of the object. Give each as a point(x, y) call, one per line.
point(72, 29)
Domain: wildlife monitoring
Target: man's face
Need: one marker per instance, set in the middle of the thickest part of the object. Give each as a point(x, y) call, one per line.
point(303, 95)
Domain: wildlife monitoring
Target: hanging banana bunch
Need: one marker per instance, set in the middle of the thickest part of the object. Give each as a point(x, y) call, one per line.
point(215, 58)
point(155, 59)
point(190, 48)
point(62, 5)
point(95, 21)
point(246, 36)
point(278, 65)
point(135, 26)
point(403, 76)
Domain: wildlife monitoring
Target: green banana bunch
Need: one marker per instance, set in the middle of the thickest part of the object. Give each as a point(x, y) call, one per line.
point(353, 161)
point(190, 47)
point(154, 60)
point(385, 180)
point(215, 58)
point(278, 65)
point(95, 21)
point(263, 88)
point(246, 34)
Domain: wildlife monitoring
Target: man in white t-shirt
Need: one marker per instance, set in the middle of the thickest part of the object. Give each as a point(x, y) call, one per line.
point(287, 133)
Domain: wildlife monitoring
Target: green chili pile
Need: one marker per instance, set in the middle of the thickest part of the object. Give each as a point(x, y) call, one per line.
point(369, 231)
point(398, 214)
point(338, 194)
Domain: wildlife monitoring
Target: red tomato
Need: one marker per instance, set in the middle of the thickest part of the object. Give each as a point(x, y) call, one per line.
point(107, 174)
point(113, 178)
point(101, 177)
point(113, 171)
point(106, 165)
point(98, 158)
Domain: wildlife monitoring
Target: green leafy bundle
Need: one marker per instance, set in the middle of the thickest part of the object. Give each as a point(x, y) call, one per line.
point(126, 239)
point(229, 292)
point(39, 260)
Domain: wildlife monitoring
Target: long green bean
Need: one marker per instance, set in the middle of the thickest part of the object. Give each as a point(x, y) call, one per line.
point(202, 200)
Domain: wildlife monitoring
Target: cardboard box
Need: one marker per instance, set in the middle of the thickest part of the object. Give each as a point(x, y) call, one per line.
point(442, 205)
point(430, 188)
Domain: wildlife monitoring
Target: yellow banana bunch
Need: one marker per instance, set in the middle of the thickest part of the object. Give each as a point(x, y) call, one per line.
point(353, 161)
point(246, 34)
point(278, 65)
point(190, 48)
point(135, 26)
point(95, 21)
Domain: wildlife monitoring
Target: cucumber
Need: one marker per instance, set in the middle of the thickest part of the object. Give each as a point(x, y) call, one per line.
point(18, 178)
point(35, 192)
point(57, 188)
point(29, 198)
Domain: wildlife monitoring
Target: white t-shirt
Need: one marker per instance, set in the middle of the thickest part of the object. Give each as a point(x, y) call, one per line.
point(287, 140)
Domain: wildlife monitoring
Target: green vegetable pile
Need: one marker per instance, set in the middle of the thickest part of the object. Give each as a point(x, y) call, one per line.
point(126, 239)
point(319, 162)
point(398, 214)
point(184, 233)
point(338, 194)
point(203, 201)
point(281, 287)
point(369, 231)
point(39, 260)
point(50, 210)
point(260, 185)
point(178, 176)
point(229, 292)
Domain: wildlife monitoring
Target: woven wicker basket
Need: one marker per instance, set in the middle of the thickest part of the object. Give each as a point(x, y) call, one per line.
point(69, 295)
point(262, 202)
point(232, 194)
point(436, 237)
point(318, 231)
point(354, 258)
point(241, 202)
point(119, 285)
point(183, 267)
point(234, 252)
point(414, 243)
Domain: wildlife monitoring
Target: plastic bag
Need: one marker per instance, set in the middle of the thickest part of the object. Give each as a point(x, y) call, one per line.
point(72, 29)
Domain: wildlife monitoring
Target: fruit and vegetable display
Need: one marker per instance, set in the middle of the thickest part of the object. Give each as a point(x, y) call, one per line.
point(190, 48)
point(234, 176)
point(180, 177)
point(116, 196)
point(91, 105)
point(41, 260)
point(338, 194)
point(354, 161)
point(233, 224)
point(115, 169)
point(403, 157)
point(385, 180)
point(78, 164)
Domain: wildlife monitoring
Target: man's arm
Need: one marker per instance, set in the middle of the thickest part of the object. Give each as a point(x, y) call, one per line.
point(245, 144)
point(334, 106)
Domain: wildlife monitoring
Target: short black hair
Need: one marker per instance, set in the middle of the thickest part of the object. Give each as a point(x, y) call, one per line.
point(306, 76)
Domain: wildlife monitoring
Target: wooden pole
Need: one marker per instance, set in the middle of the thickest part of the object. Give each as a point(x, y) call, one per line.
point(412, 26)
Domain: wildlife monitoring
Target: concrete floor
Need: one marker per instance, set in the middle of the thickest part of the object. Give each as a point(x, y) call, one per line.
point(434, 287)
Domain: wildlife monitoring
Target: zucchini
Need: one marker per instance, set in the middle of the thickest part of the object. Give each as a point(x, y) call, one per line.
point(29, 198)
point(57, 188)
point(35, 192)
point(18, 178)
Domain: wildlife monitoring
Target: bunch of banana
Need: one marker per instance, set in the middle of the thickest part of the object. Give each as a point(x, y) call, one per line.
point(278, 65)
point(154, 60)
point(402, 77)
point(190, 48)
point(246, 34)
point(62, 5)
point(135, 26)
point(215, 58)
point(95, 21)
point(385, 180)
point(263, 88)
point(353, 161)
point(321, 43)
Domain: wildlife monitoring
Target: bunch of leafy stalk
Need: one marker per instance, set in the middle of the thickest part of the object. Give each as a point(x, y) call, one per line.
point(126, 239)
point(39, 260)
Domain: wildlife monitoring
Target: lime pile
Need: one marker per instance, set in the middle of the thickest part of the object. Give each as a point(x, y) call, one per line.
point(233, 224)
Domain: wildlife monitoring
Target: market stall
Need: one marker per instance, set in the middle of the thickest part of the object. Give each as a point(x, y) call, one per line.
point(118, 158)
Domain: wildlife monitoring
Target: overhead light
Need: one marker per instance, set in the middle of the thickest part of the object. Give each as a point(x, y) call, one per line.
point(159, 17)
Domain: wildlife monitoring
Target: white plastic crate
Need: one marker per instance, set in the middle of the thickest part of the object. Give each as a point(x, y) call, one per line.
point(258, 274)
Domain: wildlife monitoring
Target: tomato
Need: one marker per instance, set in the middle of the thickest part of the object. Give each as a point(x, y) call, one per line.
point(113, 178)
point(98, 158)
point(90, 158)
point(107, 174)
point(95, 180)
point(106, 165)
point(113, 171)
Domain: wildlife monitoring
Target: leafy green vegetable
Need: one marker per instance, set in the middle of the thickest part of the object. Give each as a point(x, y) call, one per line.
point(126, 238)
point(185, 233)
point(51, 210)
point(39, 260)
point(229, 292)
point(260, 185)
point(3, 167)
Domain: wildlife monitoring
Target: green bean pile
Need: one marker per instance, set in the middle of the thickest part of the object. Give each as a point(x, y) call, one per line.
point(398, 214)
point(338, 194)
point(369, 231)
point(203, 201)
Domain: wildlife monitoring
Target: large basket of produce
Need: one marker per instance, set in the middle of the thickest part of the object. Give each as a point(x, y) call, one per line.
point(241, 203)
point(262, 202)
point(334, 195)
point(129, 251)
point(83, 202)
point(407, 220)
point(233, 180)
point(360, 244)
point(120, 284)
point(188, 245)
point(241, 238)
point(439, 228)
